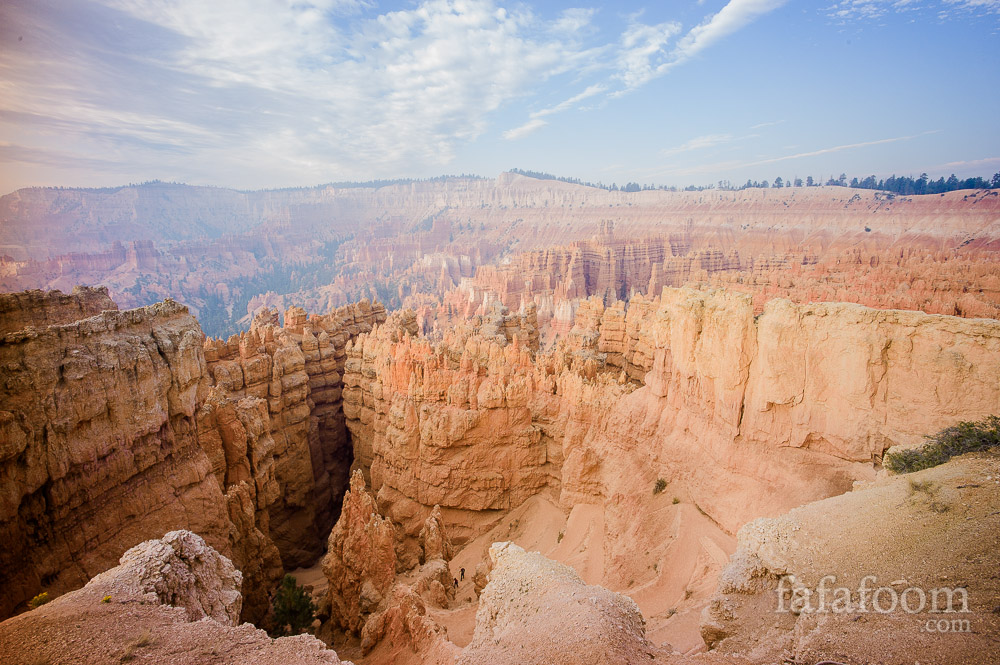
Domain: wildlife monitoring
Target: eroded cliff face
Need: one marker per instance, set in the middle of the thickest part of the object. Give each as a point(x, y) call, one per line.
point(742, 414)
point(296, 370)
point(121, 425)
point(100, 445)
point(40, 309)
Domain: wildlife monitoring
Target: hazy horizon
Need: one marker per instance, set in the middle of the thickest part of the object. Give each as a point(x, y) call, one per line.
point(274, 94)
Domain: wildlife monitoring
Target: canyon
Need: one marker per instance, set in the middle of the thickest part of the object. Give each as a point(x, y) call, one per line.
point(442, 243)
point(519, 409)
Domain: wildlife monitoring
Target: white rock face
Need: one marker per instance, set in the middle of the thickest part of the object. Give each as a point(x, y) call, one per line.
point(180, 570)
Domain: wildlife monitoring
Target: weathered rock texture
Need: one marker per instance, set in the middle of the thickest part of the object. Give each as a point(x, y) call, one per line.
point(378, 595)
point(116, 427)
point(742, 415)
point(296, 369)
point(535, 610)
point(100, 446)
point(924, 547)
point(173, 600)
point(40, 309)
point(360, 564)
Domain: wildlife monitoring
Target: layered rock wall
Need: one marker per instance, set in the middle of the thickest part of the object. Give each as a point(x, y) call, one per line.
point(100, 446)
point(752, 414)
point(297, 371)
point(118, 426)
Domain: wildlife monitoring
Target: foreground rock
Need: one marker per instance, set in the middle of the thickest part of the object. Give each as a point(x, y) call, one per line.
point(174, 600)
point(535, 610)
point(904, 569)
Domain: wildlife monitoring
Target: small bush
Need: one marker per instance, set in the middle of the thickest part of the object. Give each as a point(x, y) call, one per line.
point(39, 600)
point(675, 501)
point(965, 437)
point(106, 599)
point(661, 484)
point(293, 608)
point(562, 534)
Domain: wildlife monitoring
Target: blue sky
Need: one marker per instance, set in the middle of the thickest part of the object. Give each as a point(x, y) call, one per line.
point(265, 93)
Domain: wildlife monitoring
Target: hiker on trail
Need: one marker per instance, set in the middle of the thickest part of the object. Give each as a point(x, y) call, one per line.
point(456, 581)
point(462, 573)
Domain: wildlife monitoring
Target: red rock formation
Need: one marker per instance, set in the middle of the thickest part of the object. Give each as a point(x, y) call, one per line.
point(297, 370)
point(360, 563)
point(743, 415)
point(128, 422)
point(40, 309)
point(103, 452)
point(514, 239)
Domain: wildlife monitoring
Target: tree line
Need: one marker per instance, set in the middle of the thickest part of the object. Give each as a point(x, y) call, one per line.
point(906, 185)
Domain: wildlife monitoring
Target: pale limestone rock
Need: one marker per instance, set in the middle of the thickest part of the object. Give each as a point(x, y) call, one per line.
point(181, 570)
point(536, 610)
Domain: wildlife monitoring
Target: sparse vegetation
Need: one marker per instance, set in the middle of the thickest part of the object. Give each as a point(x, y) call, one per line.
point(144, 639)
point(294, 610)
point(39, 600)
point(661, 484)
point(965, 437)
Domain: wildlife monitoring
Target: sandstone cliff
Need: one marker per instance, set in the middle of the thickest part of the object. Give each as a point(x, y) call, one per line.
point(101, 448)
point(118, 426)
point(39, 309)
point(741, 414)
point(297, 370)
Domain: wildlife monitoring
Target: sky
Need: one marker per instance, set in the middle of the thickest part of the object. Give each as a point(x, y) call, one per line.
point(275, 93)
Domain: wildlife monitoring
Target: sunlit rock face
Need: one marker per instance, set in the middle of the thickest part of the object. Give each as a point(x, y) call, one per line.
point(753, 413)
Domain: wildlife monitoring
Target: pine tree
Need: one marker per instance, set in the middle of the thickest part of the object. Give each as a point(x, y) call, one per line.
point(293, 608)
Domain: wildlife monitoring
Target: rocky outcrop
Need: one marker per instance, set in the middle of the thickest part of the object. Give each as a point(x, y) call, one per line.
point(101, 448)
point(296, 369)
point(535, 610)
point(447, 425)
point(927, 572)
point(402, 632)
point(179, 569)
point(120, 425)
point(40, 309)
point(434, 540)
point(173, 599)
point(360, 563)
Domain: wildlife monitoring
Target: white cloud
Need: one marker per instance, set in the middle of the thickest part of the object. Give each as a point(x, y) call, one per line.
point(642, 53)
point(860, 10)
point(698, 143)
point(735, 15)
point(525, 129)
point(536, 121)
point(382, 94)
